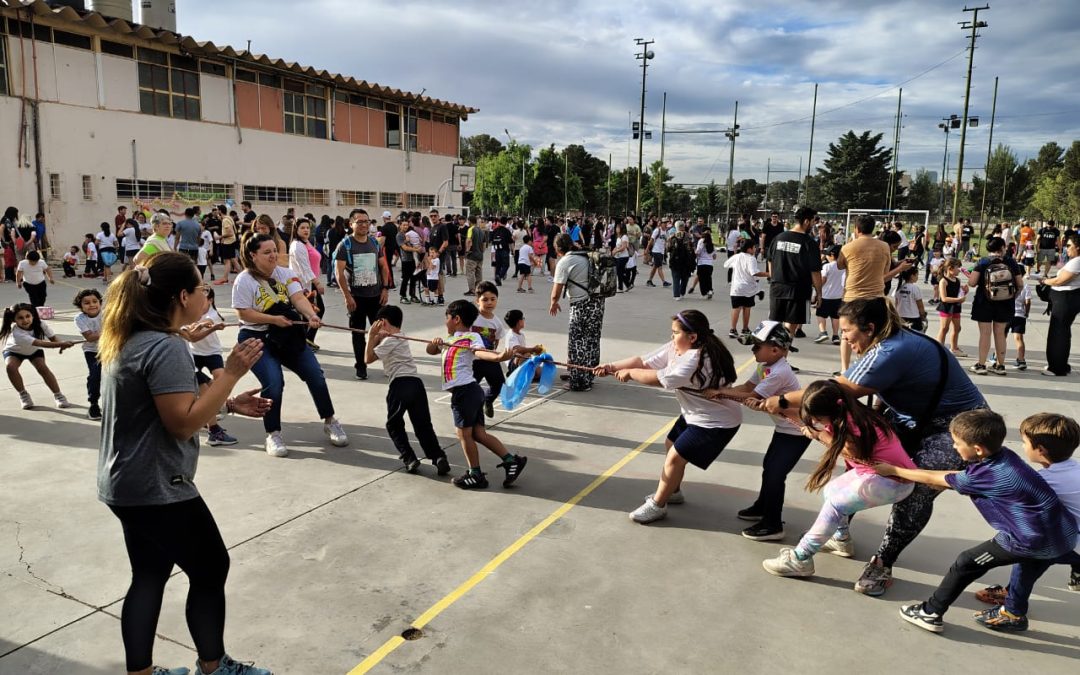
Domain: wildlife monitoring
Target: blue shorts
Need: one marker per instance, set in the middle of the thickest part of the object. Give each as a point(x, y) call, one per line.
point(24, 357)
point(467, 404)
point(699, 446)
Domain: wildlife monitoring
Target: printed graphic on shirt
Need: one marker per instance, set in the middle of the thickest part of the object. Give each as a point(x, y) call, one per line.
point(365, 270)
point(269, 295)
point(789, 246)
point(458, 358)
point(487, 334)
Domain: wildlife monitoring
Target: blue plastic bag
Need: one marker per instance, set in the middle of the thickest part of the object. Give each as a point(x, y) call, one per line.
point(517, 384)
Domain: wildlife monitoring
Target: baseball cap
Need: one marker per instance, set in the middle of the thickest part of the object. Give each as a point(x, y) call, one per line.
point(387, 214)
point(770, 331)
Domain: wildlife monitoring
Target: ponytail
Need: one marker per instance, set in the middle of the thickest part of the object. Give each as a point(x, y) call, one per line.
point(711, 350)
point(877, 316)
point(9, 320)
point(142, 299)
point(249, 244)
point(854, 427)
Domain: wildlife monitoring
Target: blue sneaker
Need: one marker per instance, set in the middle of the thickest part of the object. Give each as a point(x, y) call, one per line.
point(220, 437)
point(228, 666)
point(158, 670)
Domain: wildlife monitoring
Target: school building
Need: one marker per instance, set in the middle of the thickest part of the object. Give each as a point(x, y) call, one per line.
point(98, 111)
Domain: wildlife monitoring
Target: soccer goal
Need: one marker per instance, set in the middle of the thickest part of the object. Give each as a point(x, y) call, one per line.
point(909, 217)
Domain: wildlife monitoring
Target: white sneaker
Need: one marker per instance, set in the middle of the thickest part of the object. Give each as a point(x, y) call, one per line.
point(787, 565)
point(27, 402)
point(275, 445)
point(845, 548)
point(648, 512)
point(336, 433)
point(676, 497)
point(61, 401)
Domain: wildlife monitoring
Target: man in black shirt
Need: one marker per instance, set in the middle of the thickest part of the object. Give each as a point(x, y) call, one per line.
point(967, 233)
point(501, 238)
point(794, 261)
point(453, 243)
point(770, 230)
point(1049, 242)
point(389, 231)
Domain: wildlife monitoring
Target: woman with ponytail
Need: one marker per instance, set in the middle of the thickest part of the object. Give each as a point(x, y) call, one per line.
point(860, 436)
point(693, 361)
point(153, 409)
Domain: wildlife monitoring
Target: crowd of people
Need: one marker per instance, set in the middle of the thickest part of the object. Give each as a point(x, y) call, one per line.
point(158, 373)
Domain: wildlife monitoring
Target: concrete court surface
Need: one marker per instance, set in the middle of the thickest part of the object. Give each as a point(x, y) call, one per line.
point(336, 551)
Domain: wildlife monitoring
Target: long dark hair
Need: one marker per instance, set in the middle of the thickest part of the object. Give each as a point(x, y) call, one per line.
point(706, 237)
point(712, 350)
point(854, 426)
point(878, 316)
point(9, 320)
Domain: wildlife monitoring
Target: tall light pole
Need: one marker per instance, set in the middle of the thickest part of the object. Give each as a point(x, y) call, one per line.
point(974, 25)
point(645, 55)
point(660, 173)
point(986, 169)
point(732, 133)
point(810, 157)
point(507, 132)
point(950, 122)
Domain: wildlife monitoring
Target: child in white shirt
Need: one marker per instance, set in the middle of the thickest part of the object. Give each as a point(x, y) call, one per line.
point(27, 336)
point(908, 299)
point(832, 293)
point(431, 266)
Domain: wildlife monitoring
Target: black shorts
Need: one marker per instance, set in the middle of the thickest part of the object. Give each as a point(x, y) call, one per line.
point(829, 308)
point(191, 253)
point(524, 270)
point(210, 363)
point(227, 251)
point(129, 254)
point(787, 310)
point(738, 301)
point(433, 285)
point(657, 259)
point(996, 311)
point(467, 404)
point(699, 446)
point(24, 357)
point(1018, 325)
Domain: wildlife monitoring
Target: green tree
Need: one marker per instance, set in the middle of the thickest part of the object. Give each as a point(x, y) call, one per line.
point(924, 194)
point(856, 173)
point(1007, 184)
point(499, 187)
point(785, 192)
point(593, 174)
point(1049, 159)
point(546, 191)
point(475, 148)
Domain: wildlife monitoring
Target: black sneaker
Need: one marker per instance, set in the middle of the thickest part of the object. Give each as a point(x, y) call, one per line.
point(489, 409)
point(836, 340)
point(752, 513)
point(1074, 580)
point(361, 373)
point(978, 369)
point(920, 617)
point(440, 301)
point(94, 413)
point(800, 334)
point(1001, 620)
point(442, 465)
point(793, 348)
point(513, 469)
point(764, 532)
point(412, 464)
point(733, 334)
point(650, 283)
point(471, 481)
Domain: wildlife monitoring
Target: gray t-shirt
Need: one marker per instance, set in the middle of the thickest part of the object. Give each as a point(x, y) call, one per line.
point(363, 271)
point(396, 357)
point(140, 462)
point(190, 234)
point(573, 268)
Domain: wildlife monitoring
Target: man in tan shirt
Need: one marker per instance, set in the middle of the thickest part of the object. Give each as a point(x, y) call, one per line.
point(868, 262)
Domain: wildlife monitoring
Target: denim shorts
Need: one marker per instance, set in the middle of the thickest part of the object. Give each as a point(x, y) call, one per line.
point(24, 357)
point(699, 446)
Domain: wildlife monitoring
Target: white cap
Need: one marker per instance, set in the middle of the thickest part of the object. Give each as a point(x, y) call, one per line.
point(387, 214)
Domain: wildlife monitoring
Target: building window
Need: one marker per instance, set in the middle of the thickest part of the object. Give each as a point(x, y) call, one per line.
point(246, 76)
point(117, 49)
point(286, 195)
point(212, 68)
point(421, 201)
point(61, 37)
point(189, 191)
point(88, 188)
point(168, 85)
point(410, 129)
point(54, 186)
point(356, 198)
point(305, 109)
point(393, 130)
point(390, 200)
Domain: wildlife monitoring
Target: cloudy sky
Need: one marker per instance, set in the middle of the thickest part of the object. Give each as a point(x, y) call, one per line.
point(562, 72)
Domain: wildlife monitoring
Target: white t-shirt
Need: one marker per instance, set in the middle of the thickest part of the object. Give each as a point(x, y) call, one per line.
point(492, 330)
point(774, 380)
point(396, 357)
point(1072, 266)
point(86, 324)
point(433, 269)
point(743, 267)
point(146, 229)
point(250, 293)
point(903, 238)
point(935, 264)
point(106, 241)
point(659, 240)
point(733, 238)
point(21, 341)
point(623, 241)
point(675, 372)
point(703, 256)
point(1022, 297)
point(206, 242)
point(514, 340)
point(131, 239)
point(457, 361)
point(907, 297)
point(91, 251)
point(525, 255)
point(832, 281)
point(518, 235)
point(211, 344)
point(1064, 479)
point(33, 274)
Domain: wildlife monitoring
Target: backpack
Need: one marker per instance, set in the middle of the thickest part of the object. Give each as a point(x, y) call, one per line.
point(680, 256)
point(998, 282)
point(602, 274)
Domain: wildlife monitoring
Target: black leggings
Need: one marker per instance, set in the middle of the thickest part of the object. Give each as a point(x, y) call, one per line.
point(158, 537)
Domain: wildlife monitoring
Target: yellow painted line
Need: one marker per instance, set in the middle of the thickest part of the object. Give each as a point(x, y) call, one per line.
point(449, 599)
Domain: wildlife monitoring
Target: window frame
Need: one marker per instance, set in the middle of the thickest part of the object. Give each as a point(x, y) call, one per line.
point(55, 188)
point(307, 120)
point(173, 89)
point(87, 187)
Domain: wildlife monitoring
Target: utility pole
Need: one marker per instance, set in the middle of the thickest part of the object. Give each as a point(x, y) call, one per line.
point(566, 183)
point(732, 134)
point(660, 173)
point(895, 152)
point(945, 124)
point(768, 174)
point(974, 25)
point(810, 157)
point(986, 170)
point(609, 185)
point(645, 55)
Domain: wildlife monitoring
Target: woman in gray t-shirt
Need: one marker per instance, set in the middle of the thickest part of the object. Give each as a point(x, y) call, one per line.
point(152, 409)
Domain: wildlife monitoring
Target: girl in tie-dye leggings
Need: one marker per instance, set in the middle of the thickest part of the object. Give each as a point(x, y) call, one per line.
point(861, 436)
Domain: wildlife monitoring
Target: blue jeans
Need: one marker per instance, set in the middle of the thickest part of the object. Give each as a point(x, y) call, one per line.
point(93, 378)
point(1023, 578)
point(268, 371)
point(679, 280)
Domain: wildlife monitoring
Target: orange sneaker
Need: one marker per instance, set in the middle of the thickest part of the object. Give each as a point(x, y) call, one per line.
point(992, 595)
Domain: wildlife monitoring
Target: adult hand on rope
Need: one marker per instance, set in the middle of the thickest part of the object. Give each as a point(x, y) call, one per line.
point(281, 321)
point(199, 330)
point(314, 321)
point(249, 404)
point(244, 356)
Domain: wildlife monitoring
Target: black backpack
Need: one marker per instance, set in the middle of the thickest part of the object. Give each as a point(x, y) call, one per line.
point(602, 274)
point(680, 255)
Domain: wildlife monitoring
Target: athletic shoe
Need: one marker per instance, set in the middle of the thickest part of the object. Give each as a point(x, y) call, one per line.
point(61, 401)
point(751, 513)
point(675, 498)
point(822, 337)
point(94, 413)
point(441, 301)
point(787, 565)
point(442, 465)
point(709, 296)
point(917, 615)
point(1045, 372)
point(993, 595)
point(489, 409)
point(336, 434)
point(275, 446)
point(745, 331)
point(679, 299)
point(959, 353)
point(836, 340)
point(219, 437)
point(650, 283)
point(667, 284)
point(1074, 581)
point(793, 349)
point(314, 347)
point(763, 532)
point(997, 369)
point(221, 282)
point(875, 579)
point(361, 373)
point(845, 547)
point(404, 301)
point(978, 369)
point(1001, 619)
point(1021, 364)
point(158, 670)
point(471, 481)
point(649, 512)
point(417, 301)
point(412, 464)
point(800, 334)
point(228, 666)
point(733, 334)
point(513, 469)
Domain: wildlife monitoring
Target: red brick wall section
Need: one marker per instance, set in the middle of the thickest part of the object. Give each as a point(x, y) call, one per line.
point(247, 104)
point(377, 128)
point(360, 119)
point(272, 106)
point(342, 122)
